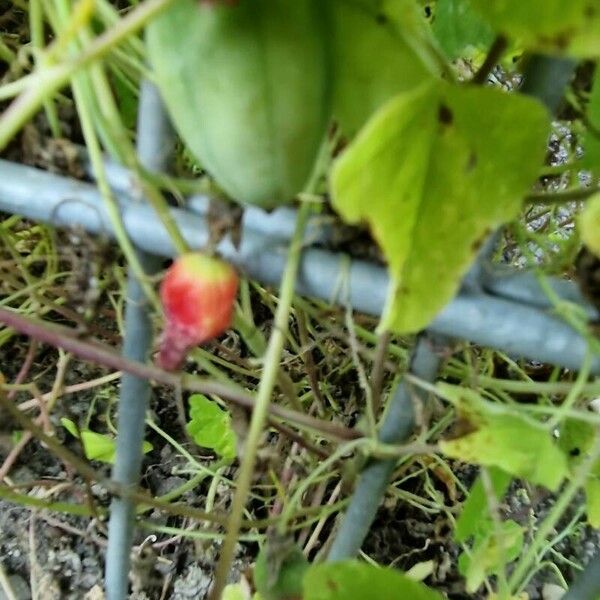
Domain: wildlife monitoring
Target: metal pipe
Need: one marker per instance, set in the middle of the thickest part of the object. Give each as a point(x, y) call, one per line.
point(154, 134)
point(482, 318)
point(397, 426)
point(587, 585)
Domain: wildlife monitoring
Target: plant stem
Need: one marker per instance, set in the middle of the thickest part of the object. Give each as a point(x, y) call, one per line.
point(42, 84)
point(561, 504)
point(263, 400)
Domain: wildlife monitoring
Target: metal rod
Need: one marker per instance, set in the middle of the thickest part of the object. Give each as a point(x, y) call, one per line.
point(486, 318)
point(153, 148)
point(396, 428)
point(587, 585)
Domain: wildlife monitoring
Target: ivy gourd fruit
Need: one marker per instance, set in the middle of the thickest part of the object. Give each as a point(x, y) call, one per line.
point(247, 85)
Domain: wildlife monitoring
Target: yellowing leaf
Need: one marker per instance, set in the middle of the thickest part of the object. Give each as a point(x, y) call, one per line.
point(589, 224)
point(553, 26)
point(210, 426)
point(509, 442)
point(432, 173)
point(592, 497)
point(352, 580)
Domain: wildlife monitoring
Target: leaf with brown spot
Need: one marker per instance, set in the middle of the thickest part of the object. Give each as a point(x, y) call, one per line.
point(431, 172)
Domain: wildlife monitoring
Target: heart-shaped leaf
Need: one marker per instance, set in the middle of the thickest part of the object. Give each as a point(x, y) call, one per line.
point(432, 173)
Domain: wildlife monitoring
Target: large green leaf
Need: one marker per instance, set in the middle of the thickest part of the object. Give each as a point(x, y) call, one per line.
point(589, 224)
point(557, 26)
point(592, 496)
point(432, 173)
point(352, 580)
point(371, 61)
point(458, 28)
point(591, 140)
point(501, 439)
point(210, 426)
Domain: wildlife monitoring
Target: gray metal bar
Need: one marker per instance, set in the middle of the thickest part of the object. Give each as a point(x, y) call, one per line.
point(482, 318)
point(587, 585)
point(546, 78)
point(396, 428)
point(154, 134)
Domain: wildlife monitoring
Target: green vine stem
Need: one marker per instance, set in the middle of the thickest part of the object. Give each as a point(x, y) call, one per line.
point(263, 400)
point(39, 86)
point(558, 510)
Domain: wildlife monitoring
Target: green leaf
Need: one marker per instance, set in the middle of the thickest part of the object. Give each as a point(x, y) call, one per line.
point(490, 552)
point(97, 446)
point(592, 496)
point(552, 26)
point(575, 439)
point(475, 508)
point(502, 440)
point(432, 173)
point(591, 138)
point(371, 62)
point(280, 569)
point(236, 591)
point(459, 29)
point(210, 426)
point(589, 224)
point(70, 426)
point(352, 580)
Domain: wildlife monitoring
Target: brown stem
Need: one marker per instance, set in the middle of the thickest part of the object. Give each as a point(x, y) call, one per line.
point(62, 337)
point(24, 370)
point(309, 363)
point(491, 60)
point(378, 370)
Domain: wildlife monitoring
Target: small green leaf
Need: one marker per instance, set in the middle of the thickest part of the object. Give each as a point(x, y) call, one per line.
point(490, 552)
point(432, 173)
point(280, 569)
point(507, 441)
point(352, 580)
point(210, 426)
point(475, 508)
point(592, 496)
point(363, 36)
point(459, 29)
point(552, 26)
point(589, 224)
point(97, 446)
point(575, 439)
point(70, 427)
point(236, 591)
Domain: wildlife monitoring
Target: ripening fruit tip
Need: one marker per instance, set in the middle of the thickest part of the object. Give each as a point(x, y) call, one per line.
point(198, 294)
